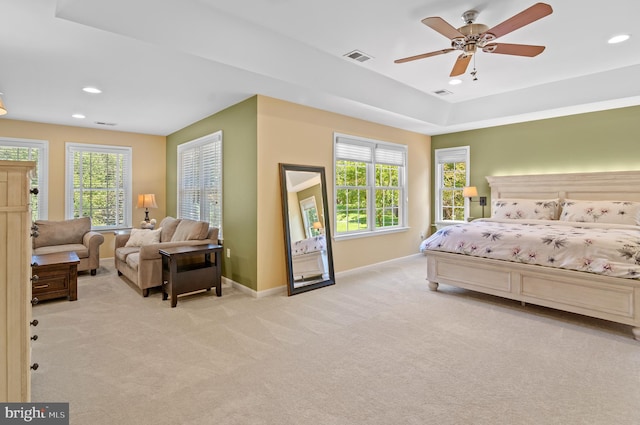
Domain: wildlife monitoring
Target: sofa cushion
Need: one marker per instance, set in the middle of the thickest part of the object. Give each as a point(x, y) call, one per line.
point(141, 237)
point(133, 260)
point(168, 226)
point(63, 232)
point(123, 252)
point(80, 250)
point(189, 230)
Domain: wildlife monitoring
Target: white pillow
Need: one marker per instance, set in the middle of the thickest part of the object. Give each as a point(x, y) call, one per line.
point(141, 237)
point(610, 212)
point(519, 209)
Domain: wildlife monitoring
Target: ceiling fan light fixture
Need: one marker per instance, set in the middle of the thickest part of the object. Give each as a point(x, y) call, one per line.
point(618, 38)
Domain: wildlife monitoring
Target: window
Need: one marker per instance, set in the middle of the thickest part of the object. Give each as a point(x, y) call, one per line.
point(370, 185)
point(31, 150)
point(310, 216)
point(200, 180)
point(452, 175)
point(98, 185)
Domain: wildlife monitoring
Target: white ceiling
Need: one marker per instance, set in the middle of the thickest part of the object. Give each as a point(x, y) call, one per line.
point(164, 64)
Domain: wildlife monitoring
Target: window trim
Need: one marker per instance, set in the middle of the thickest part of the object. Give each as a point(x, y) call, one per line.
point(446, 155)
point(70, 149)
point(216, 136)
point(42, 169)
point(371, 187)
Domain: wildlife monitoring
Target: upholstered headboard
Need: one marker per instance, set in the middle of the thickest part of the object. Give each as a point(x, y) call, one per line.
point(608, 185)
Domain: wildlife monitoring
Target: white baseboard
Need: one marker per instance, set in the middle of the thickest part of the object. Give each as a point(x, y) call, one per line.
point(255, 294)
point(360, 269)
point(283, 289)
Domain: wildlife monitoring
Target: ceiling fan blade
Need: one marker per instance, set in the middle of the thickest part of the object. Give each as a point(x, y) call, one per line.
point(527, 16)
point(424, 55)
point(443, 27)
point(461, 65)
point(513, 49)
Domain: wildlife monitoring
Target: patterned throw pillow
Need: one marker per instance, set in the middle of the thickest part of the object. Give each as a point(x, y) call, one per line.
point(521, 209)
point(610, 212)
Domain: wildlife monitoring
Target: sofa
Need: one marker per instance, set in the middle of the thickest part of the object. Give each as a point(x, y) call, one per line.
point(73, 235)
point(137, 255)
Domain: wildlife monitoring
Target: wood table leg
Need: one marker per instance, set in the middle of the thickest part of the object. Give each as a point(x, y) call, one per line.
point(73, 282)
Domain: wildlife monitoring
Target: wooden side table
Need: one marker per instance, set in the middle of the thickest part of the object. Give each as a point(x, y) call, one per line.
point(189, 268)
point(55, 275)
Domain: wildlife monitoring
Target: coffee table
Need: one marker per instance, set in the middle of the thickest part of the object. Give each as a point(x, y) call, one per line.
point(54, 276)
point(189, 268)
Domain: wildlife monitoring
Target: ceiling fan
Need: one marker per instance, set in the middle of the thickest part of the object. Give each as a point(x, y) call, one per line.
point(471, 36)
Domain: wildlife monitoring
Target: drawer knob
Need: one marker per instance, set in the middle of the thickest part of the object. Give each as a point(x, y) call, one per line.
point(34, 338)
point(35, 278)
point(35, 366)
point(34, 322)
point(34, 301)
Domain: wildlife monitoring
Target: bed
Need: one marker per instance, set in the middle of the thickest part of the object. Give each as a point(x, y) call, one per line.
point(309, 260)
point(606, 288)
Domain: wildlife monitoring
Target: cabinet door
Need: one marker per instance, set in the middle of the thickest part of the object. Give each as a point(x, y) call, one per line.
point(15, 283)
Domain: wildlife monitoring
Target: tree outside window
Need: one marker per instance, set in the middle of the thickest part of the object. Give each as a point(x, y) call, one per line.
point(99, 185)
point(369, 185)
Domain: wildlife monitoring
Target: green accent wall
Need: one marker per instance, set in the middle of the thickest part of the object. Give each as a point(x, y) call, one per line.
point(597, 141)
point(239, 152)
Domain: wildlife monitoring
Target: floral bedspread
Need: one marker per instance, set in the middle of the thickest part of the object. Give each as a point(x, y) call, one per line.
point(607, 249)
point(306, 246)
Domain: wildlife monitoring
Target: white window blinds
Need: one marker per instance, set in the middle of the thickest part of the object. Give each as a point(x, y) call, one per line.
point(200, 180)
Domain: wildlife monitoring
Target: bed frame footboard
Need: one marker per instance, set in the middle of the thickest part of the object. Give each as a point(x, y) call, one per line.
point(604, 297)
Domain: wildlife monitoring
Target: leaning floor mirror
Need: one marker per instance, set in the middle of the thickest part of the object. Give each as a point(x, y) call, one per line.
point(307, 238)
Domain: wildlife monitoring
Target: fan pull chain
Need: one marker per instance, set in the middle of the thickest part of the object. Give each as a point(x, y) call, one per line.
point(474, 72)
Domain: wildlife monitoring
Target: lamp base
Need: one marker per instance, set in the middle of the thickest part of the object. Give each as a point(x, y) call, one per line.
point(146, 215)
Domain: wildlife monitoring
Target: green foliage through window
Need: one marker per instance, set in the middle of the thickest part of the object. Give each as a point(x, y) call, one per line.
point(369, 185)
point(100, 186)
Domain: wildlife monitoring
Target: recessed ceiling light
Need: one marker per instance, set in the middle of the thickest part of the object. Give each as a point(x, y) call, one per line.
point(79, 116)
point(455, 82)
point(92, 90)
point(619, 38)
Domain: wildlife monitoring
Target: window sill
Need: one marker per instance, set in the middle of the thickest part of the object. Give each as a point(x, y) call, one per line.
point(369, 234)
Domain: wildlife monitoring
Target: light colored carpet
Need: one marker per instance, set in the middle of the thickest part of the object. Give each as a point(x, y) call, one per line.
point(376, 348)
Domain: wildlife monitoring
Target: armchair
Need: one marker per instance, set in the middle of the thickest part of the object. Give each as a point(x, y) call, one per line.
point(73, 235)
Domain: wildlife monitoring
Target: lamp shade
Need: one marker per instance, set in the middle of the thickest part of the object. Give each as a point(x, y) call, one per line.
point(317, 225)
point(469, 191)
point(147, 200)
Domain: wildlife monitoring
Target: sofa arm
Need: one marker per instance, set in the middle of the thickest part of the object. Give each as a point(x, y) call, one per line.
point(152, 252)
point(92, 240)
point(121, 239)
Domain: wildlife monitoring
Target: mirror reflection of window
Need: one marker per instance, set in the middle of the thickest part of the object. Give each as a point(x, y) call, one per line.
point(309, 216)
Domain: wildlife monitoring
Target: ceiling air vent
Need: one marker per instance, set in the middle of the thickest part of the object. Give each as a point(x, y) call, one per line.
point(111, 124)
point(358, 56)
point(442, 92)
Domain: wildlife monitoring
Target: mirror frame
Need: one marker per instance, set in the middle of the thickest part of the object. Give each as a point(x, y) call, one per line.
point(291, 290)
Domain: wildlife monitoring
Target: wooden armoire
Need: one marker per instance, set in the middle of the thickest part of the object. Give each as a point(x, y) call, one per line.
point(15, 280)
